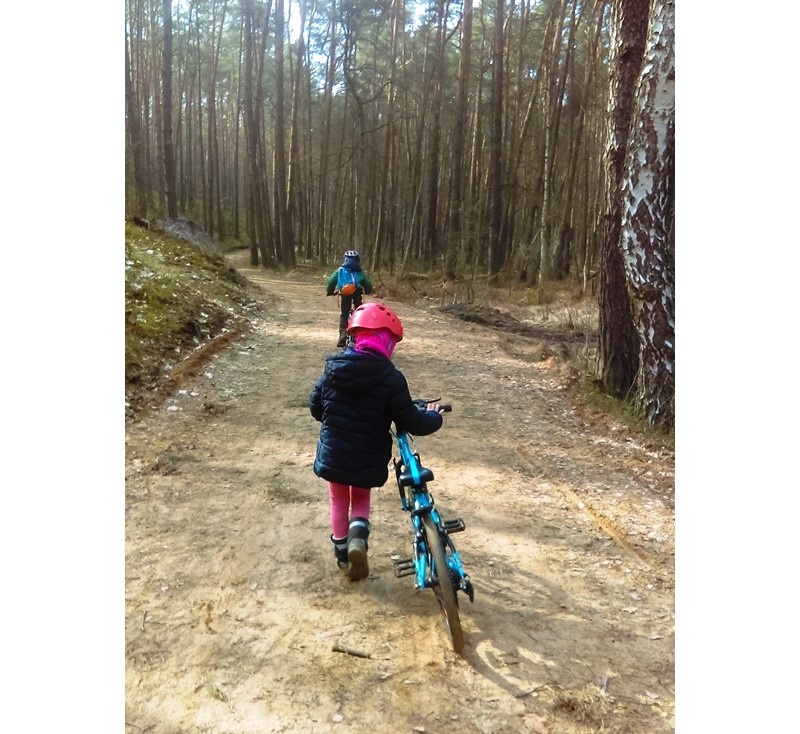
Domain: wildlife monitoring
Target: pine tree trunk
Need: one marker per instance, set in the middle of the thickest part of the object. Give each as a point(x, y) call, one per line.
point(170, 177)
point(283, 225)
point(453, 244)
point(135, 140)
point(496, 147)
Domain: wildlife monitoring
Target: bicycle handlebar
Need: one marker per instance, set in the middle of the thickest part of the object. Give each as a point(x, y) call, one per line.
point(422, 404)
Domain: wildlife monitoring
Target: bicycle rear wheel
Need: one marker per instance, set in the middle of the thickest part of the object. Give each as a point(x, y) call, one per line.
point(445, 593)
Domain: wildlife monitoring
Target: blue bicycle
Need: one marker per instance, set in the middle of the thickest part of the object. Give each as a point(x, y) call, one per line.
point(435, 564)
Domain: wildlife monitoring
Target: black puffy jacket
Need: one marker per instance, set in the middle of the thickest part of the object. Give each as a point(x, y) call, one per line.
point(357, 398)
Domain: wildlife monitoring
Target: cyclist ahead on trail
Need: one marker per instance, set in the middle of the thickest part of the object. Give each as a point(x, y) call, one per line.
point(358, 396)
point(351, 283)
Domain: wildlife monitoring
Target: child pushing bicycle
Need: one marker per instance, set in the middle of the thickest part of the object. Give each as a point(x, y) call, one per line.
point(358, 396)
point(350, 282)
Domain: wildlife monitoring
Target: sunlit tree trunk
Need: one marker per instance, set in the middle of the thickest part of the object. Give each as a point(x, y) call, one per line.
point(200, 102)
point(294, 194)
point(214, 196)
point(384, 242)
point(360, 165)
point(648, 192)
point(584, 165)
point(552, 107)
point(187, 147)
point(257, 202)
point(496, 147)
point(432, 245)
point(323, 235)
point(562, 251)
point(453, 244)
point(538, 101)
point(237, 157)
point(135, 140)
point(283, 228)
point(170, 177)
point(618, 343)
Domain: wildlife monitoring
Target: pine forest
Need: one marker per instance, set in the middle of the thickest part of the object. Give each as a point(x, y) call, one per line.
point(527, 141)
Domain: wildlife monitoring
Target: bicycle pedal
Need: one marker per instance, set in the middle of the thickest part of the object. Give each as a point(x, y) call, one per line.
point(403, 567)
point(454, 526)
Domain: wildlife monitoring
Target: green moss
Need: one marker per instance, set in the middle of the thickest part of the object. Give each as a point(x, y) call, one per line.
point(177, 295)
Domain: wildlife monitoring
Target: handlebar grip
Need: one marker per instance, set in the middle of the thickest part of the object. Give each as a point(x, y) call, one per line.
point(422, 404)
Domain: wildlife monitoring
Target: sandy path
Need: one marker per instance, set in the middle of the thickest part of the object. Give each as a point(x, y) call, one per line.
point(234, 604)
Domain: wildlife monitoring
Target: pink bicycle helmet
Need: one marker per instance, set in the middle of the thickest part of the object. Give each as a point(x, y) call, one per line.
point(373, 316)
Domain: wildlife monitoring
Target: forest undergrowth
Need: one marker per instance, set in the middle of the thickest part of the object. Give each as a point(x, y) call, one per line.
point(184, 301)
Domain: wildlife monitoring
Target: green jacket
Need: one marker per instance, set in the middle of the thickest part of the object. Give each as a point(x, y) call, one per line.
point(363, 283)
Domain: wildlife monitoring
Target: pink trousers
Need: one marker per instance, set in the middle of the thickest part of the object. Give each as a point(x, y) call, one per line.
point(347, 502)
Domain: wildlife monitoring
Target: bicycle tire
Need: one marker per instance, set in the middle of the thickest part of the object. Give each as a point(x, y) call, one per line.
point(445, 593)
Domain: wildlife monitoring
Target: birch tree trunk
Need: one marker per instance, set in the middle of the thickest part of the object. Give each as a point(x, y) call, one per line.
point(648, 191)
point(618, 343)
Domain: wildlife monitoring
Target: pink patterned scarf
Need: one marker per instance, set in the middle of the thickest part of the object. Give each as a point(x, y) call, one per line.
point(381, 341)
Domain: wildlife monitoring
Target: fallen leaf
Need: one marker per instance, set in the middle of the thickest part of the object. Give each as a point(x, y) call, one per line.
point(535, 723)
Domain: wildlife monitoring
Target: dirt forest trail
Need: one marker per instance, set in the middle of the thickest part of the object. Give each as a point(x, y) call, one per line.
point(234, 604)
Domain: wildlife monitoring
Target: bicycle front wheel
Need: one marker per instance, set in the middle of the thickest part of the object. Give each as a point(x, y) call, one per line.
point(445, 592)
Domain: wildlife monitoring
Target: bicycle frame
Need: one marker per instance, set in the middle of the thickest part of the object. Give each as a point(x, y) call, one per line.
point(412, 479)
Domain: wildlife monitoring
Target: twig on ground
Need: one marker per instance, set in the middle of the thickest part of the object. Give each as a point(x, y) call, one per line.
point(348, 651)
point(528, 693)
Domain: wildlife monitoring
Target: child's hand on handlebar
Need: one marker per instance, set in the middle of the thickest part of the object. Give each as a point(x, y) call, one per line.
point(435, 407)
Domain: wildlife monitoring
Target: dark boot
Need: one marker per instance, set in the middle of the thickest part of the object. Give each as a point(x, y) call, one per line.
point(340, 551)
point(342, 338)
point(357, 548)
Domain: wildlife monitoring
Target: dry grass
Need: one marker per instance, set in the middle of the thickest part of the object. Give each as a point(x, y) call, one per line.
point(589, 706)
